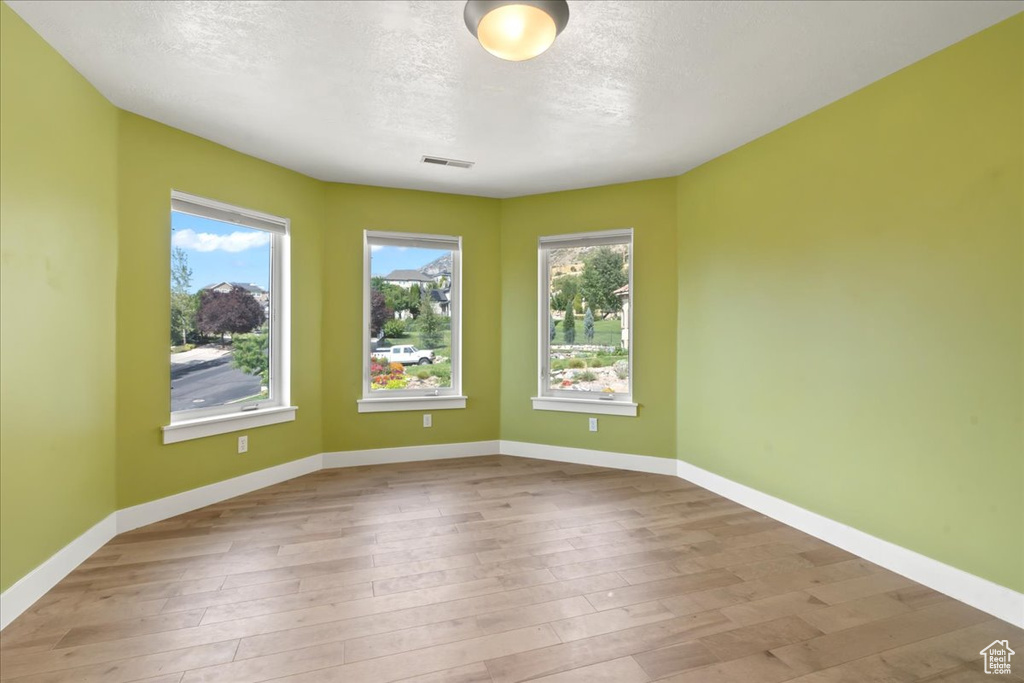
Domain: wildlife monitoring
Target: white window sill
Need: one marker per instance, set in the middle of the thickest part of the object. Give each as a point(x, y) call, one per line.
point(584, 405)
point(398, 403)
point(222, 424)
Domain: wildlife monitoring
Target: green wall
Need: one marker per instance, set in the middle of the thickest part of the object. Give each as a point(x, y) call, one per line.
point(354, 208)
point(850, 309)
point(831, 314)
point(153, 160)
point(647, 207)
point(58, 246)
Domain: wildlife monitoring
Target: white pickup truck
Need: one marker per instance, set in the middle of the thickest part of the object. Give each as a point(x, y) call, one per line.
point(406, 355)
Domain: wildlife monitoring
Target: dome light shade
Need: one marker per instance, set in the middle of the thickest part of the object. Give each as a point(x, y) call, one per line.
point(516, 30)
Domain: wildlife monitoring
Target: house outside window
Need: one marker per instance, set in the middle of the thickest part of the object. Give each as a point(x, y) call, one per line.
point(585, 323)
point(412, 322)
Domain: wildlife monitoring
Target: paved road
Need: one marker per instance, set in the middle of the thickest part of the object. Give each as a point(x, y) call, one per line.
point(209, 383)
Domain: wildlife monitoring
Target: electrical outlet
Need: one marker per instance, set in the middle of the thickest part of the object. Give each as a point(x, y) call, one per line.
point(427, 421)
point(593, 424)
point(243, 444)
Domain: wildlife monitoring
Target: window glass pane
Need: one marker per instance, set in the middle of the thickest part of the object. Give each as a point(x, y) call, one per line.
point(588, 332)
point(220, 312)
point(410, 318)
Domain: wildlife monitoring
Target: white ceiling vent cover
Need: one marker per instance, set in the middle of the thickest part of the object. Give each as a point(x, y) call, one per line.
point(441, 161)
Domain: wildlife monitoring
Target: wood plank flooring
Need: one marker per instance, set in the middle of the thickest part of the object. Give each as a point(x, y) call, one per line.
point(489, 570)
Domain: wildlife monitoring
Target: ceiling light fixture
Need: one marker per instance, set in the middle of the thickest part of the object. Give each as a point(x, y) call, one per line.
point(516, 30)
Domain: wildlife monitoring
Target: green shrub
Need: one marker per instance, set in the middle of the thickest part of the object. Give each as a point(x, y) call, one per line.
point(569, 326)
point(586, 376)
point(394, 328)
point(423, 374)
point(577, 363)
point(251, 354)
point(559, 364)
point(443, 373)
point(621, 369)
point(596, 363)
point(429, 324)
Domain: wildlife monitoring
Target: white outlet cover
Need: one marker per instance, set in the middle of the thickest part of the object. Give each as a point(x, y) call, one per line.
point(593, 424)
point(427, 420)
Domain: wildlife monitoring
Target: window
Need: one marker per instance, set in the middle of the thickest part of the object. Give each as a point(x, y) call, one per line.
point(411, 322)
point(586, 319)
point(229, 318)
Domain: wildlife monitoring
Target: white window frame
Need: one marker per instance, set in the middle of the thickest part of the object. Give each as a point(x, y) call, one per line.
point(414, 399)
point(200, 422)
point(572, 401)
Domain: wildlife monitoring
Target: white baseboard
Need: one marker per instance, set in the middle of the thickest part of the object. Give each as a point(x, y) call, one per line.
point(186, 501)
point(34, 585)
point(380, 456)
point(989, 597)
point(23, 594)
point(586, 456)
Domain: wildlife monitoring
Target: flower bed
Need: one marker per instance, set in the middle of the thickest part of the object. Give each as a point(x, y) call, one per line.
point(384, 375)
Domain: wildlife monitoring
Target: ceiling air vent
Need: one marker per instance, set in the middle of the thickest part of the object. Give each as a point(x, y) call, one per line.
point(441, 161)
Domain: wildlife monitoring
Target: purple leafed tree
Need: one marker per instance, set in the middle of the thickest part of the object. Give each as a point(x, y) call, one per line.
point(236, 312)
point(380, 313)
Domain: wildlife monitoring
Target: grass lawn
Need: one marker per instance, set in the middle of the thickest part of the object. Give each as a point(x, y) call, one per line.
point(605, 361)
point(443, 371)
point(606, 332)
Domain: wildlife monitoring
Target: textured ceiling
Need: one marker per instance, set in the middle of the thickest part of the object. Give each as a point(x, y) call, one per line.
point(359, 91)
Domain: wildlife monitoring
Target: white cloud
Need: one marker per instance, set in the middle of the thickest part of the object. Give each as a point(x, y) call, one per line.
point(207, 241)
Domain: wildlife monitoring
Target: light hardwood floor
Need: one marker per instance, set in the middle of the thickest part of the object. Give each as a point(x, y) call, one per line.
point(492, 569)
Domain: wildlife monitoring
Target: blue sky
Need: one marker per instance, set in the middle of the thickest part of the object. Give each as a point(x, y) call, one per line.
point(219, 252)
point(385, 259)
